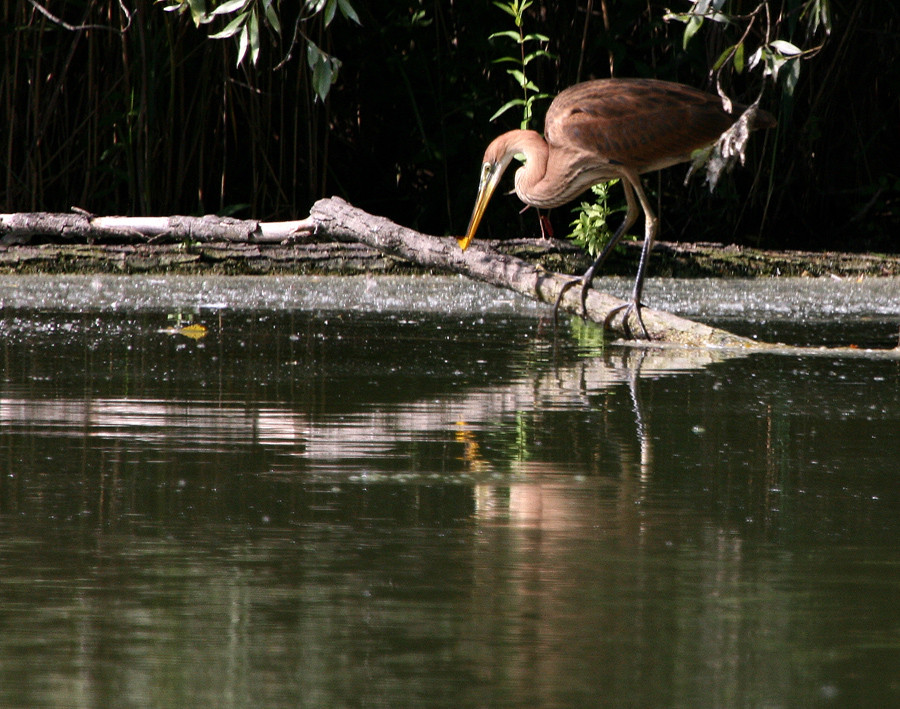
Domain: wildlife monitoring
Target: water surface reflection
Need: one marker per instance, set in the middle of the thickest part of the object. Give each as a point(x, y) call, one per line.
point(326, 507)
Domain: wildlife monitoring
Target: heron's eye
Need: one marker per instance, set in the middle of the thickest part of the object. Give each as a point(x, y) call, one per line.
point(486, 170)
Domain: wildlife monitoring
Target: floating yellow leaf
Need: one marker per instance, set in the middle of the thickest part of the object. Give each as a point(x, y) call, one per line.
point(195, 331)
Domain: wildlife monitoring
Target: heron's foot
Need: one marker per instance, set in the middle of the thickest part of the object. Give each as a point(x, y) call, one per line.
point(632, 308)
point(585, 287)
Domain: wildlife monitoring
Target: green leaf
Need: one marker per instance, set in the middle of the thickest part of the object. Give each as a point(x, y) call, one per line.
point(677, 17)
point(348, 12)
point(243, 43)
point(754, 59)
point(519, 76)
point(272, 17)
point(231, 28)
point(506, 106)
point(508, 8)
point(330, 9)
point(313, 54)
point(791, 77)
point(230, 6)
point(739, 58)
point(535, 38)
point(324, 75)
point(254, 37)
point(324, 69)
point(786, 48)
point(690, 30)
point(321, 79)
point(719, 17)
point(722, 57)
point(535, 55)
point(820, 16)
point(198, 11)
point(773, 63)
point(513, 35)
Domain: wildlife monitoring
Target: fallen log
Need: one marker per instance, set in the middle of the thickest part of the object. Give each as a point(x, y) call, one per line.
point(164, 244)
point(345, 222)
point(20, 227)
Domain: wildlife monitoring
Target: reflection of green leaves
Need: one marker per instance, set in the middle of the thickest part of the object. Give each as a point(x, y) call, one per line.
point(590, 336)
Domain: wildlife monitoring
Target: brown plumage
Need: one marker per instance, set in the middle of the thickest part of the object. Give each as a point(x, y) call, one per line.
point(601, 130)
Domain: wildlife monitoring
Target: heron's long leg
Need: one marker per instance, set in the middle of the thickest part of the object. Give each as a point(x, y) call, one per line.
point(651, 224)
point(588, 277)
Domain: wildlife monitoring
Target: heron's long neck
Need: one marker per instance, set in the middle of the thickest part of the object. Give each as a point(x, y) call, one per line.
point(529, 176)
point(545, 181)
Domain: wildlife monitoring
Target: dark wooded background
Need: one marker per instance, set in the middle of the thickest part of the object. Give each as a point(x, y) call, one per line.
point(158, 120)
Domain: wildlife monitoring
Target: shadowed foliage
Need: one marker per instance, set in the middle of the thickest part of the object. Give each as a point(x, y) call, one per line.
point(147, 115)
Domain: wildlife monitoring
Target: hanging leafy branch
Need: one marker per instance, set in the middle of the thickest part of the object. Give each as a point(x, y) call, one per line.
point(774, 55)
point(774, 52)
point(244, 18)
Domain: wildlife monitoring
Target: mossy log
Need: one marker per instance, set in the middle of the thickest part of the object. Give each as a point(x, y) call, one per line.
point(82, 242)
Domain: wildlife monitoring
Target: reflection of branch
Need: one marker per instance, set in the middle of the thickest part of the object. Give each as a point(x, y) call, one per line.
point(79, 28)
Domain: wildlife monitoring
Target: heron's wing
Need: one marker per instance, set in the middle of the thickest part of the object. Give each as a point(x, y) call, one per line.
point(639, 123)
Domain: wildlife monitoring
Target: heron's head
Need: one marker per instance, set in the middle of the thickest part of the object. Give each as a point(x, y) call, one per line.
point(496, 159)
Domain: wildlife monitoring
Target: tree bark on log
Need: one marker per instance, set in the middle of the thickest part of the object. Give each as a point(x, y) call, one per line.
point(345, 222)
point(77, 225)
point(209, 239)
point(172, 241)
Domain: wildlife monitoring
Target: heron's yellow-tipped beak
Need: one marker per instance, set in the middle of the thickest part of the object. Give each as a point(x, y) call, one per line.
point(490, 178)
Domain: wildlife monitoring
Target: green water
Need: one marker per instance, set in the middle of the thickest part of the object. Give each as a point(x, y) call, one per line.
point(416, 493)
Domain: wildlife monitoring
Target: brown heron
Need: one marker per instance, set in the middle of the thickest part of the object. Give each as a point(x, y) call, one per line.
point(600, 130)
